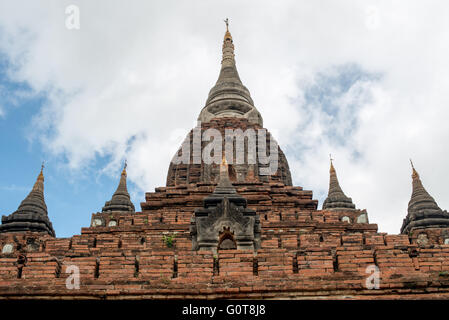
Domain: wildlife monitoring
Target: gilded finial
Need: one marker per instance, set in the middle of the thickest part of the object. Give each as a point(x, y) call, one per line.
point(41, 174)
point(124, 167)
point(39, 184)
point(227, 34)
point(223, 178)
point(223, 165)
point(332, 165)
point(415, 173)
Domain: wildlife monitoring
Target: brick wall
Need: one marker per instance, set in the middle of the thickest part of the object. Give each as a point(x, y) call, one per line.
point(304, 253)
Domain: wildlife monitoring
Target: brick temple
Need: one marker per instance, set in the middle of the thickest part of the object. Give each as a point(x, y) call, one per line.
point(225, 230)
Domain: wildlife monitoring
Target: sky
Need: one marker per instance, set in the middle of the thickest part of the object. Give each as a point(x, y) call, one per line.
point(365, 81)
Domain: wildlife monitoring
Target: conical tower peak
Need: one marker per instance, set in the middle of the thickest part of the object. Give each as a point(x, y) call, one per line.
point(31, 215)
point(39, 184)
point(418, 189)
point(121, 200)
point(336, 199)
point(228, 57)
point(229, 97)
point(332, 169)
point(415, 174)
point(423, 211)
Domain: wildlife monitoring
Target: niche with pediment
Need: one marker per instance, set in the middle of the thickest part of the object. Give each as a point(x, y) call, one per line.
point(225, 223)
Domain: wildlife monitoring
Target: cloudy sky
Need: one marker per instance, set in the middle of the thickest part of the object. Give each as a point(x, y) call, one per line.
point(364, 80)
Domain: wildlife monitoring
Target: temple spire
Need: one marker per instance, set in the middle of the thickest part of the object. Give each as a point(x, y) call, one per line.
point(229, 97)
point(121, 200)
point(31, 215)
point(39, 184)
point(228, 58)
point(415, 174)
point(418, 189)
point(332, 169)
point(336, 199)
point(423, 211)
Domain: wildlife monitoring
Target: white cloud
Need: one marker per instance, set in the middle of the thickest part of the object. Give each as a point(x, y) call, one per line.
point(134, 77)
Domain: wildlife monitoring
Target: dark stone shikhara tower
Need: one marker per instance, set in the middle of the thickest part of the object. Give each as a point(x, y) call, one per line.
point(120, 204)
point(336, 199)
point(423, 211)
point(120, 201)
point(32, 213)
point(227, 231)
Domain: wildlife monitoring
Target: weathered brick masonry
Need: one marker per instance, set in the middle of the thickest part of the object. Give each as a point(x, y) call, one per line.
point(303, 252)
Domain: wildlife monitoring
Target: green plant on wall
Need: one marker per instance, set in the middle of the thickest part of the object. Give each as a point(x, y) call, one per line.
point(169, 239)
point(165, 280)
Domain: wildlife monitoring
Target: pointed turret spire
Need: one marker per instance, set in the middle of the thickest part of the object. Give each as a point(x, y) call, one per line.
point(229, 97)
point(121, 200)
point(228, 59)
point(423, 211)
point(336, 199)
point(39, 184)
point(224, 185)
point(417, 186)
point(32, 213)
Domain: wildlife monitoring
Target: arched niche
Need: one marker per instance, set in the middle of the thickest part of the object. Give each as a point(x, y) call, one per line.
point(226, 240)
